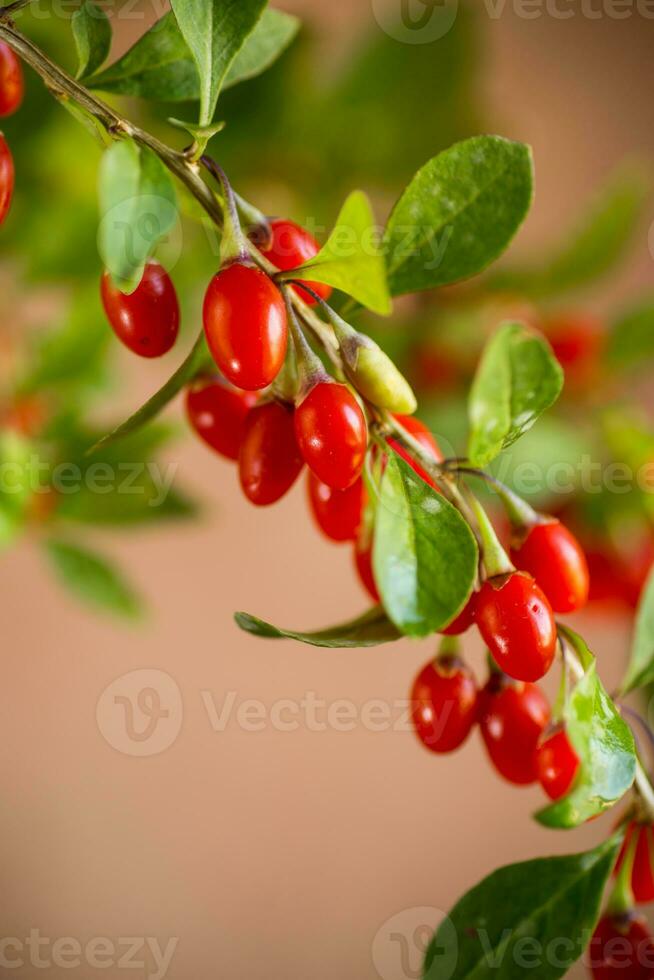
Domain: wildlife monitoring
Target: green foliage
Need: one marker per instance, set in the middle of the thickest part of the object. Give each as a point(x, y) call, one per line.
point(518, 378)
point(92, 33)
point(215, 31)
point(197, 359)
point(93, 579)
point(595, 247)
point(160, 65)
point(532, 918)
point(458, 214)
point(138, 206)
point(16, 462)
point(369, 630)
point(640, 671)
point(424, 555)
point(602, 741)
point(351, 260)
point(631, 339)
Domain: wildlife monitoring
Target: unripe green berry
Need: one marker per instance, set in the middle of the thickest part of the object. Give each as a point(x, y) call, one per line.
point(375, 376)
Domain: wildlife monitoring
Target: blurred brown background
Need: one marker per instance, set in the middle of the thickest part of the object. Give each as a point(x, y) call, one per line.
point(271, 853)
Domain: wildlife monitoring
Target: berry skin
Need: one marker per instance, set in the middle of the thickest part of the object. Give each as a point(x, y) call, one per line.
point(558, 764)
point(147, 321)
point(291, 247)
point(6, 178)
point(421, 433)
point(512, 717)
point(363, 565)
point(444, 704)
point(245, 325)
point(463, 621)
point(554, 557)
point(269, 461)
point(516, 621)
point(642, 874)
point(337, 512)
point(11, 81)
point(218, 412)
point(621, 947)
point(332, 434)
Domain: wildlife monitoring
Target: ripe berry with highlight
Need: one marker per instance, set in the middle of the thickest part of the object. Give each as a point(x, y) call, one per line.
point(218, 412)
point(558, 764)
point(245, 325)
point(6, 178)
point(337, 512)
point(444, 704)
point(147, 320)
point(554, 557)
point(512, 717)
point(269, 461)
point(292, 246)
point(332, 434)
point(12, 85)
point(517, 623)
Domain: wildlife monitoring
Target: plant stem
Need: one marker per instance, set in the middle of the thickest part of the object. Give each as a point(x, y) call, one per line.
point(519, 512)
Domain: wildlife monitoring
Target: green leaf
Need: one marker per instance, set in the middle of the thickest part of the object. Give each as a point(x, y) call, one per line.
point(424, 553)
point(640, 671)
point(197, 359)
point(215, 31)
point(631, 339)
point(138, 207)
point(92, 33)
point(93, 579)
point(603, 742)
point(369, 630)
point(594, 247)
point(533, 918)
point(352, 259)
point(518, 378)
point(458, 214)
point(17, 465)
point(160, 65)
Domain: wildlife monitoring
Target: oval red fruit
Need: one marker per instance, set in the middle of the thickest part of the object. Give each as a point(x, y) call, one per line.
point(269, 460)
point(292, 246)
point(332, 434)
point(512, 717)
point(217, 412)
point(463, 621)
point(363, 565)
point(245, 325)
point(444, 704)
point(11, 81)
point(642, 874)
point(337, 512)
point(516, 621)
point(621, 946)
point(6, 178)
point(554, 557)
point(558, 764)
point(421, 434)
point(147, 320)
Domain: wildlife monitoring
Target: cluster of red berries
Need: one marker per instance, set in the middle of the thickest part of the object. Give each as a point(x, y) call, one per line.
point(621, 944)
point(11, 96)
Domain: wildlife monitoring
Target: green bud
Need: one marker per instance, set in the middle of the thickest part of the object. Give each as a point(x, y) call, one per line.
point(375, 376)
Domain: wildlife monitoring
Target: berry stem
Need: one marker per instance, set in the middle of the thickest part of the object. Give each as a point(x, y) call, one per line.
point(495, 559)
point(309, 366)
point(621, 899)
point(233, 246)
point(519, 512)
